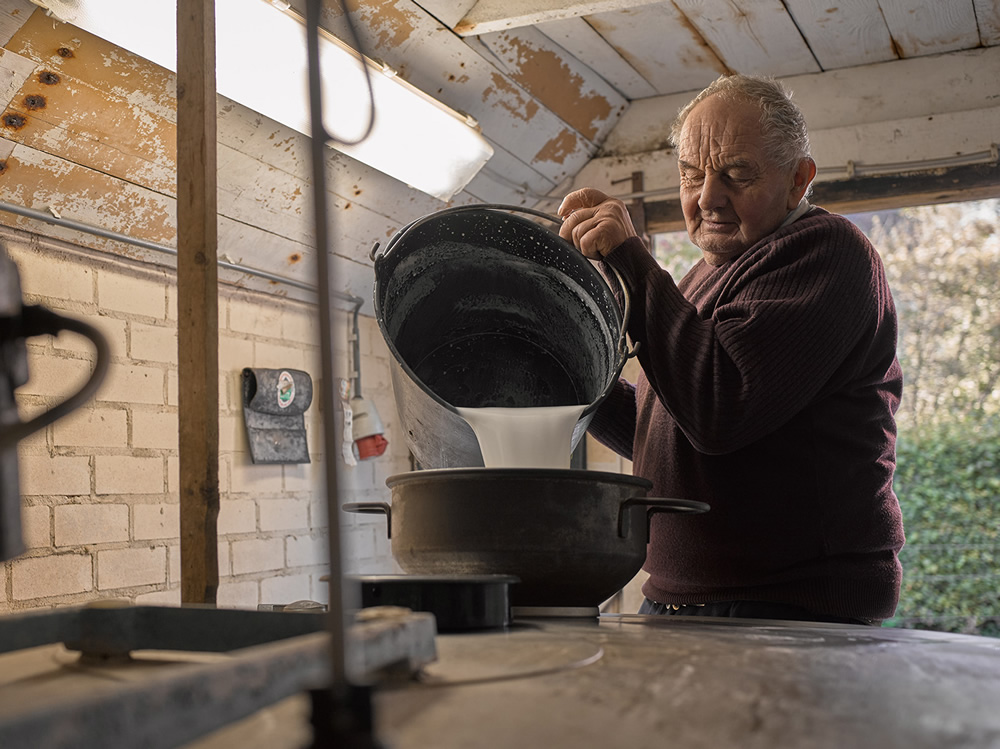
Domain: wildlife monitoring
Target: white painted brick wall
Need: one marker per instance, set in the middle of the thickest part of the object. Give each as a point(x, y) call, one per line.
point(76, 525)
point(258, 555)
point(101, 515)
point(36, 526)
point(92, 427)
point(285, 589)
point(155, 521)
point(124, 474)
point(48, 576)
point(283, 514)
point(123, 568)
point(58, 474)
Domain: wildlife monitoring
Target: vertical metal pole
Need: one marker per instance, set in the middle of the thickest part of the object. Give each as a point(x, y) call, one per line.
point(342, 716)
point(197, 301)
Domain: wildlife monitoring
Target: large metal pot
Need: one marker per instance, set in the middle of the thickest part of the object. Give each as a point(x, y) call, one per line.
point(572, 537)
point(480, 307)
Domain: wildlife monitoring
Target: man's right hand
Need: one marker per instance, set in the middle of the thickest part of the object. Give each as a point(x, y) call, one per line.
point(594, 222)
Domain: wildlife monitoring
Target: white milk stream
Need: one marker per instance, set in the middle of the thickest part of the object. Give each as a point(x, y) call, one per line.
point(524, 437)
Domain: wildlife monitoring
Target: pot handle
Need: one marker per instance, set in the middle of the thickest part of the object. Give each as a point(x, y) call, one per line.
point(372, 508)
point(658, 504)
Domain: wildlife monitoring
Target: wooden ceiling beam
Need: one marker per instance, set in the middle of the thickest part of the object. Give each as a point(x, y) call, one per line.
point(502, 15)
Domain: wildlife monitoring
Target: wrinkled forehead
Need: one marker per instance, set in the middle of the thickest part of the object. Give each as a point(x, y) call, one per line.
point(720, 130)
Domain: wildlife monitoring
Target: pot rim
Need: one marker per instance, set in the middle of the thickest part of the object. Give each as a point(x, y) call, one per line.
point(480, 473)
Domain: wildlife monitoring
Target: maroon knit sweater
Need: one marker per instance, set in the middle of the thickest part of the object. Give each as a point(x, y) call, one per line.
point(768, 389)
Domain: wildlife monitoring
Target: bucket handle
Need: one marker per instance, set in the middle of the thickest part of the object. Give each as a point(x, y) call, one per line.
point(623, 351)
point(372, 508)
point(658, 504)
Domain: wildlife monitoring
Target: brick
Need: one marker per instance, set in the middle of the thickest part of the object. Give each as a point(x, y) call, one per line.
point(124, 568)
point(278, 356)
point(154, 430)
point(95, 427)
point(57, 575)
point(233, 434)
point(301, 477)
point(234, 353)
point(55, 277)
point(237, 516)
point(113, 331)
point(301, 326)
point(156, 343)
point(172, 388)
point(258, 555)
point(122, 474)
point(76, 525)
point(359, 543)
point(239, 595)
point(246, 316)
point(35, 526)
point(225, 560)
point(283, 514)
point(159, 520)
point(140, 296)
point(307, 551)
point(57, 376)
point(320, 589)
point(285, 589)
point(230, 395)
point(258, 479)
point(65, 476)
point(128, 383)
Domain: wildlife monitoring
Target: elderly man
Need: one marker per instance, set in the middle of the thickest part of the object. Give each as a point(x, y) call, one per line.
point(769, 377)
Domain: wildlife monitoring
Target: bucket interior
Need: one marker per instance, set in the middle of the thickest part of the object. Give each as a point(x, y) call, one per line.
point(487, 309)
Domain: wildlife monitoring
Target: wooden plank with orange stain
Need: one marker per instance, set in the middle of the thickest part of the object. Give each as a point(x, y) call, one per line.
point(557, 80)
point(42, 181)
point(463, 75)
point(100, 120)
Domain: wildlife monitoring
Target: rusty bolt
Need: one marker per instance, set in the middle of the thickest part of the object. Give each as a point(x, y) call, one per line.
point(34, 101)
point(48, 78)
point(3, 167)
point(13, 121)
point(65, 52)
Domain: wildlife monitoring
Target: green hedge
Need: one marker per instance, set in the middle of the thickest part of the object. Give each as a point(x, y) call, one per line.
point(948, 483)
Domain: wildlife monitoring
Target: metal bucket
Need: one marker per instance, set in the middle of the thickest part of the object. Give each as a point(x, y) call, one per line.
point(484, 308)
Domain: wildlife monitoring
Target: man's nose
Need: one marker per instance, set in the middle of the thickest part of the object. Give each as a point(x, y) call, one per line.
point(713, 193)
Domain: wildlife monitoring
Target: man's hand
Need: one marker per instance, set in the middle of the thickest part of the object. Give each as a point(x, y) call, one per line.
point(595, 223)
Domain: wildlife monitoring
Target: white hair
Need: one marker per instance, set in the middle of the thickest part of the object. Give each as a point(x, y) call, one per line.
point(781, 121)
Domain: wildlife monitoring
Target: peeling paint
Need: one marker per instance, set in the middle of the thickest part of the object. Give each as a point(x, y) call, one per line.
point(547, 76)
point(390, 24)
point(520, 107)
point(558, 148)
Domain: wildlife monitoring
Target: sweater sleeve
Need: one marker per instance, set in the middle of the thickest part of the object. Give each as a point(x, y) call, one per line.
point(785, 316)
point(613, 424)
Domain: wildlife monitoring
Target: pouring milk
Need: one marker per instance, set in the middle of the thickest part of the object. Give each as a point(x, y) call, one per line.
point(537, 437)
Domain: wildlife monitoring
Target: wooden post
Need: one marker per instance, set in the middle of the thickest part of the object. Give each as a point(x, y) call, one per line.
point(197, 301)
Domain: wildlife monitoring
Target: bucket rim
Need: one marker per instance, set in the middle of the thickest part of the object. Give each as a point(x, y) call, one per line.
point(623, 314)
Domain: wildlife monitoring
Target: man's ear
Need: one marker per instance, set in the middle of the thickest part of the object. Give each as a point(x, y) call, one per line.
point(803, 175)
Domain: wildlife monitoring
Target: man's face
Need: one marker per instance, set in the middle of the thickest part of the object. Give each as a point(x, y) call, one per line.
point(732, 195)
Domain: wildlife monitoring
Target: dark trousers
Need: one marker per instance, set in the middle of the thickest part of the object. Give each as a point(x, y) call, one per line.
point(748, 610)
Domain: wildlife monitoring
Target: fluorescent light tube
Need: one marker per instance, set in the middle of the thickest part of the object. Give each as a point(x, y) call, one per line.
point(261, 63)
